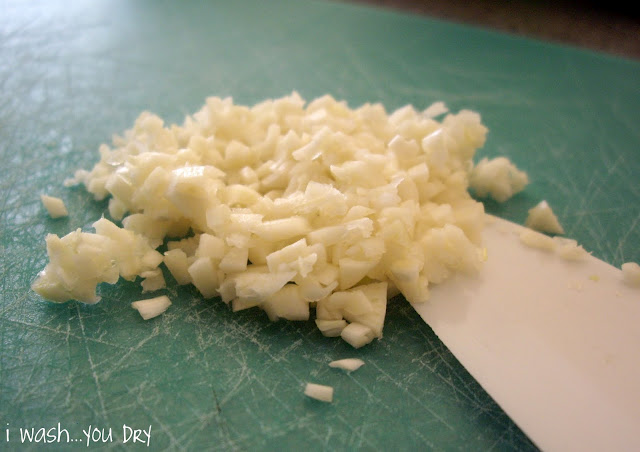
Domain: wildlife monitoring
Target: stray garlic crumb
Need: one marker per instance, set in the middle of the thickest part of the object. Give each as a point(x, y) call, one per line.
point(435, 109)
point(498, 178)
point(575, 285)
point(152, 307)
point(541, 218)
point(631, 273)
point(535, 239)
point(569, 249)
point(55, 206)
point(319, 392)
point(594, 278)
point(349, 364)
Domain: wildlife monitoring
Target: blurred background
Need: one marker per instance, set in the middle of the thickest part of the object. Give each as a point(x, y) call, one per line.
point(606, 26)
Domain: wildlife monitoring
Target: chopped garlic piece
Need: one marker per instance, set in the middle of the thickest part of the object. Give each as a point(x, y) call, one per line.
point(348, 364)
point(541, 218)
point(357, 334)
point(331, 328)
point(498, 178)
point(153, 280)
point(569, 249)
point(631, 273)
point(152, 307)
point(319, 392)
point(79, 261)
point(55, 206)
point(435, 109)
point(535, 239)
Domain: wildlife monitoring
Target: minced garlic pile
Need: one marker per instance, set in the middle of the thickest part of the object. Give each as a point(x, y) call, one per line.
point(291, 207)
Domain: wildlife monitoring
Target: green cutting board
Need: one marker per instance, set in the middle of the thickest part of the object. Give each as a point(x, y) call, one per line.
point(203, 378)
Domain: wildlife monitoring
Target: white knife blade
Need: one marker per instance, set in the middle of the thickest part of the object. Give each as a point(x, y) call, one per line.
point(556, 343)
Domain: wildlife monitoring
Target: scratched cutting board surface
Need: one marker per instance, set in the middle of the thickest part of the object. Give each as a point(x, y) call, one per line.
point(74, 73)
